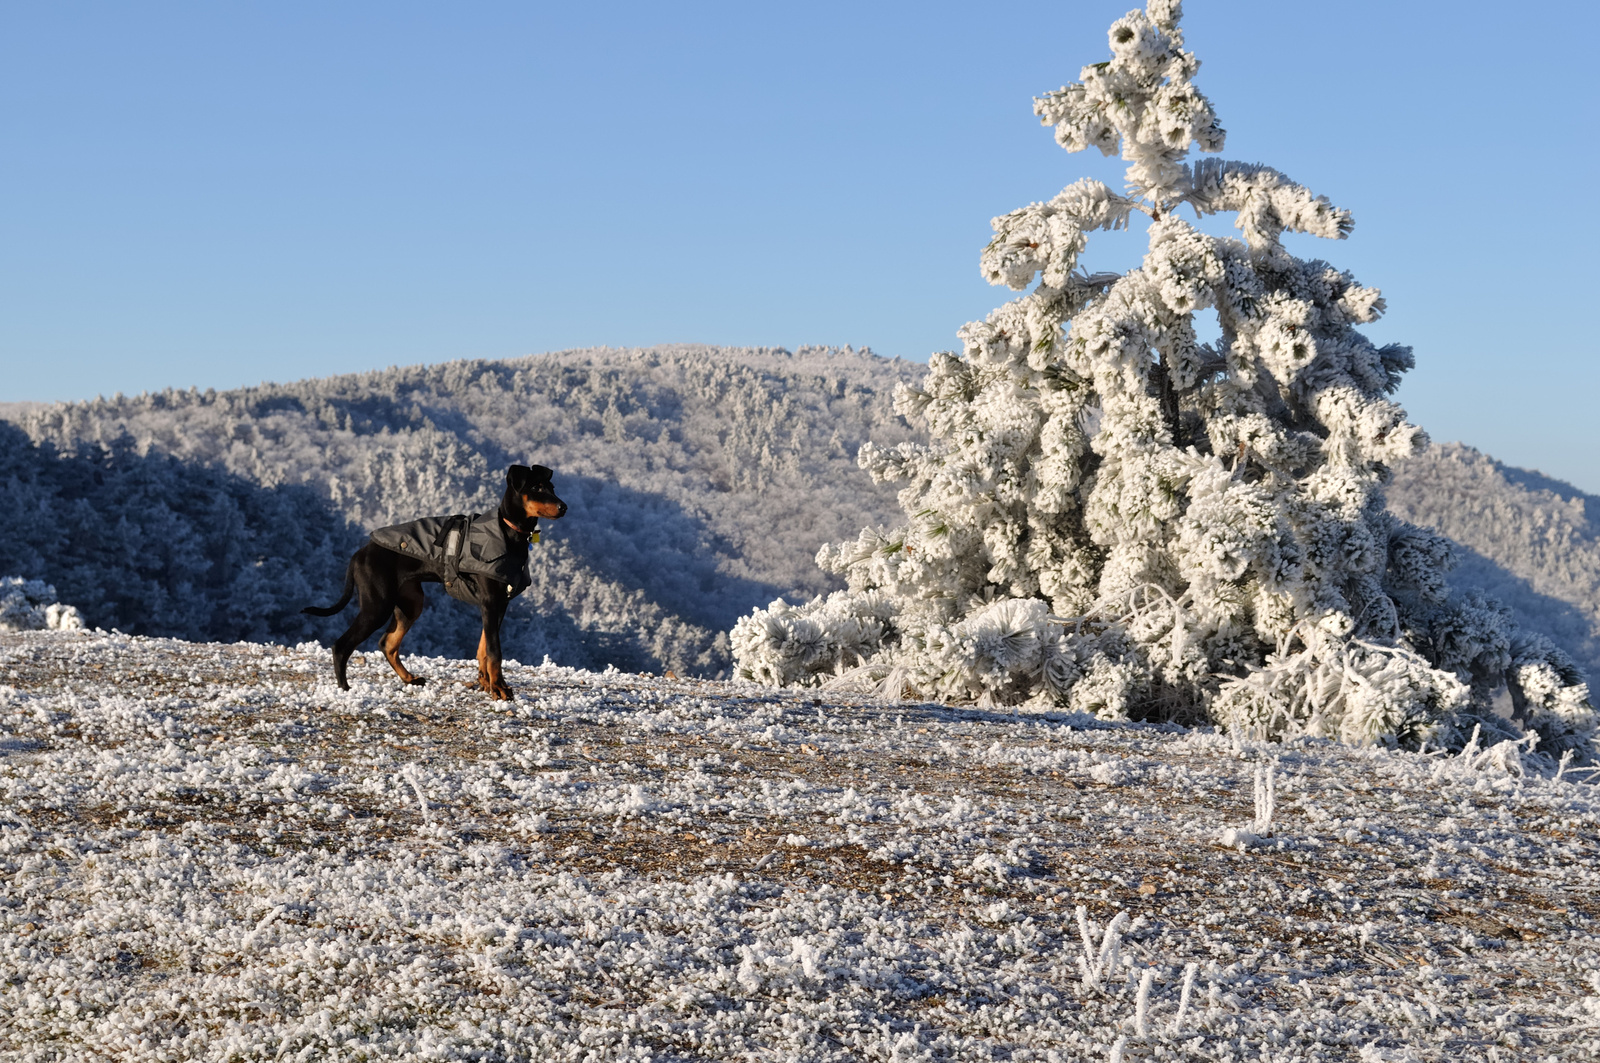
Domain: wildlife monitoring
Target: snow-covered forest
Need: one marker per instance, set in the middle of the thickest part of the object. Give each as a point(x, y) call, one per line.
point(217, 517)
point(1530, 542)
point(701, 483)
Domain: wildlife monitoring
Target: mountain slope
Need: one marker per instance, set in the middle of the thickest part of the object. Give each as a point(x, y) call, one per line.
point(701, 482)
point(1526, 539)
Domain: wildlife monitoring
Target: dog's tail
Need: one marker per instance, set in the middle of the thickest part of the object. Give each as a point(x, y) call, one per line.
point(344, 600)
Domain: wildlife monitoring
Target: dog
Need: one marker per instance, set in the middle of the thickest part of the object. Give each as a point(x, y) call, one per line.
point(480, 559)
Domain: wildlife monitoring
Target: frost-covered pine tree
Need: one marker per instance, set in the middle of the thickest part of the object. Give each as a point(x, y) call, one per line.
point(1114, 517)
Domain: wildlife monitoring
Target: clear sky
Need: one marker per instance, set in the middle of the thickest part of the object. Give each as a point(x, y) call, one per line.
point(218, 194)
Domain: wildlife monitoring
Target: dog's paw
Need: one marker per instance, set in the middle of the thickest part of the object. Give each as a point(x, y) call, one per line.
point(416, 681)
point(501, 692)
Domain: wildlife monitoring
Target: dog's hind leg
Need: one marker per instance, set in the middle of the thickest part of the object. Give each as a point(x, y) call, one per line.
point(369, 620)
point(406, 611)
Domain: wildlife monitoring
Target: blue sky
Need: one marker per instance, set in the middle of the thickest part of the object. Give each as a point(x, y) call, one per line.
point(219, 194)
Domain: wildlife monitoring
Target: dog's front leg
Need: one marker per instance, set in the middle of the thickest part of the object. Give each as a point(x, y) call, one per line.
point(490, 677)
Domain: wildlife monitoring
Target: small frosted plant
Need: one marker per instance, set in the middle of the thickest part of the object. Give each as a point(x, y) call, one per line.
point(410, 775)
point(1563, 765)
point(1098, 965)
point(1114, 517)
point(1141, 1008)
point(1086, 961)
point(1266, 792)
point(1189, 972)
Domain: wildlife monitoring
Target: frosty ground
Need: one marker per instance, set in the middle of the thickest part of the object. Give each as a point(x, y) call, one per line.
point(210, 852)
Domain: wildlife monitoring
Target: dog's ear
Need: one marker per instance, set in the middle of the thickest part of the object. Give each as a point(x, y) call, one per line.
point(523, 478)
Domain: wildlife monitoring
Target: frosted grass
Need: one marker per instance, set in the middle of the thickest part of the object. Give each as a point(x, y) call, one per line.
point(209, 852)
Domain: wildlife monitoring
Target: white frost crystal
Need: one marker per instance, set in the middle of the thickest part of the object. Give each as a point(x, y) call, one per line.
point(30, 605)
point(1115, 517)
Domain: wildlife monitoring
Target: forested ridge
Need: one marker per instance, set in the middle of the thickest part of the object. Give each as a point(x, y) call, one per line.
point(702, 482)
point(1529, 541)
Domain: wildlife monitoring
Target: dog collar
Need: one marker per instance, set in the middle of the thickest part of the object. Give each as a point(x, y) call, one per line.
point(516, 534)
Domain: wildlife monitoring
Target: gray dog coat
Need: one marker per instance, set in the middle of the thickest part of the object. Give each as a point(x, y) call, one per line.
point(459, 549)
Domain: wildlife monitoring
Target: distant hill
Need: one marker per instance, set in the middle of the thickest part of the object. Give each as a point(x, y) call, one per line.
point(702, 481)
point(1526, 539)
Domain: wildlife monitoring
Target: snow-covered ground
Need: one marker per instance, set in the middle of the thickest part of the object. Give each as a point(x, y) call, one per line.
point(210, 852)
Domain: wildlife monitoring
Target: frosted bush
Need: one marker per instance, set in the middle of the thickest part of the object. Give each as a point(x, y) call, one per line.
point(798, 646)
point(30, 605)
point(1112, 516)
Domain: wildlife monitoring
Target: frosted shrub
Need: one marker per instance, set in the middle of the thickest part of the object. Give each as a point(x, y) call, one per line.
point(1115, 517)
point(789, 646)
point(30, 605)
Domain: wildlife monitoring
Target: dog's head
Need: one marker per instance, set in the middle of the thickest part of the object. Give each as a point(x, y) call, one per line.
point(530, 494)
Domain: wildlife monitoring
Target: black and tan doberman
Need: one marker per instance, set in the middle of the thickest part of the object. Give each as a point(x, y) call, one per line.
point(480, 559)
